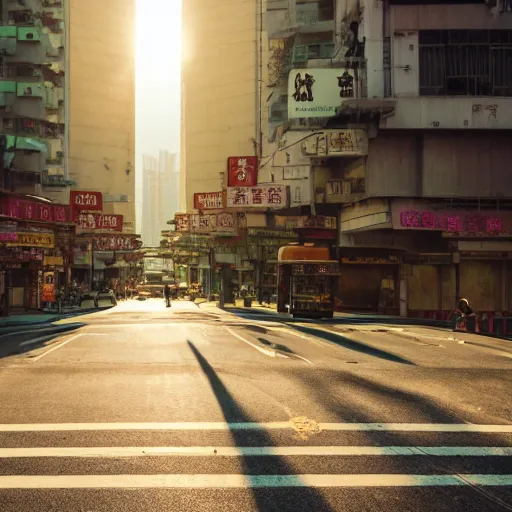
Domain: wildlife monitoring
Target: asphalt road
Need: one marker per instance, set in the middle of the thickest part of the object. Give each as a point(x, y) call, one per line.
point(187, 408)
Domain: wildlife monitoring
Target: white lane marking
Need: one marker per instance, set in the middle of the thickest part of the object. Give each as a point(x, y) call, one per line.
point(246, 481)
point(256, 451)
point(278, 425)
point(267, 352)
point(56, 347)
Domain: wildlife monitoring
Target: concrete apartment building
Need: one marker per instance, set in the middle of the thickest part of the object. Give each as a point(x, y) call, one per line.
point(220, 90)
point(160, 195)
point(68, 119)
point(404, 135)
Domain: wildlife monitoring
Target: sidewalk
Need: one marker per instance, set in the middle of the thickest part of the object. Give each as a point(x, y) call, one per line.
point(44, 317)
point(339, 317)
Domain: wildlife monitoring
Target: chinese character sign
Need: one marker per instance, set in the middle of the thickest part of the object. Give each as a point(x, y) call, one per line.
point(242, 171)
point(264, 196)
point(31, 210)
point(116, 243)
point(88, 201)
point(94, 221)
point(453, 221)
point(208, 201)
point(182, 223)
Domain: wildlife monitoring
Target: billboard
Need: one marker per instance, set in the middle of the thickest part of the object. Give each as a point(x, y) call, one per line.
point(318, 92)
point(263, 196)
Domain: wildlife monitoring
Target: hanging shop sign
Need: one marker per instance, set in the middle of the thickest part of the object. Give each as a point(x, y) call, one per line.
point(227, 223)
point(48, 290)
point(88, 201)
point(8, 237)
point(53, 261)
point(94, 221)
point(242, 171)
point(209, 201)
point(459, 223)
point(21, 254)
point(182, 222)
point(337, 143)
point(31, 210)
point(305, 222)
point(318, 92)
point(263, 196)
point(203, 223)
point(370, 260)
point(43, 240)
point(271, 233)
point(81, 253)
point(325, 269)
point(116, 243)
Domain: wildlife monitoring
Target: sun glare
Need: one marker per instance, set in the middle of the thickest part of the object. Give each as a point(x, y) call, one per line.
point(158, 38)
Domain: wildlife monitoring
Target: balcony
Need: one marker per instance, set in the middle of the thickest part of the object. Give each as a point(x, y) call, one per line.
point(303, 54)
point(345, 190)
point(8, 39)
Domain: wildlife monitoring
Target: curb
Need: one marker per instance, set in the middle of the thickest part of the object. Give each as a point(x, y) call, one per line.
point(349, 319)
point(56, 318)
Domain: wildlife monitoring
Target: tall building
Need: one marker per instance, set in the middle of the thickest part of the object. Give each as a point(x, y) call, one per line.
point(67, 100)
point(160, 195)
point(221, 75)
point(67, 121)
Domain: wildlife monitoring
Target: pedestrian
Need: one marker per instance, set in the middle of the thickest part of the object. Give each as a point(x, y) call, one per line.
point(167, 295)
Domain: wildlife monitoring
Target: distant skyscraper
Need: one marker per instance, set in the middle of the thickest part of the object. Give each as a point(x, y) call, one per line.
point(160, 195)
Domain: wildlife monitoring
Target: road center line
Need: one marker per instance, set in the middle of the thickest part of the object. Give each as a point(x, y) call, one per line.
point(246, 481)
point(256, 451)
point(56, 347)
point(278, 425)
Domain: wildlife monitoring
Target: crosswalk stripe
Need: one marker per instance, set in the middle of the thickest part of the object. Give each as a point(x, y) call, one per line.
point(278, 425)
point(246, 481)
point(256, 451)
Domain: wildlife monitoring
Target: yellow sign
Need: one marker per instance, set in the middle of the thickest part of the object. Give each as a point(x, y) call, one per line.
point(41, 240)
point(48, 291)
point(57, 261)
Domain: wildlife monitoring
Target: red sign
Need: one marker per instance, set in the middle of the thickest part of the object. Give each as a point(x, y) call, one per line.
point(95, 221)
point(116, 243)
point(30, 210)
point(242, 171)
point(209, 201)
point(88, 201)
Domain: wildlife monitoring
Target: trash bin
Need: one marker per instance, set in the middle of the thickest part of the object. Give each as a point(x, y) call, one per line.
point(247, 302)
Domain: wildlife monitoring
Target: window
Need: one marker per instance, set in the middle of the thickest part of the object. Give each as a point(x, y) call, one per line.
point(465, 62)
point(308, 12)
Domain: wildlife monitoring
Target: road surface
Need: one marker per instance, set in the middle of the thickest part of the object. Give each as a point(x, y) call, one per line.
point(148, 409)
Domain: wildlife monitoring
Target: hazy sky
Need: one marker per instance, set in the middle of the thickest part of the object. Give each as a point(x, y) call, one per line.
point(158, 47)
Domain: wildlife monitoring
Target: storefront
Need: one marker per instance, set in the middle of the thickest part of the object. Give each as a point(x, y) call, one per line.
point(369, 281)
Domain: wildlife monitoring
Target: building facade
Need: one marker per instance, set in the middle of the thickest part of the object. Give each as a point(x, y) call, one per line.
point(394, 116)
point(67, 123)
point(221, 85)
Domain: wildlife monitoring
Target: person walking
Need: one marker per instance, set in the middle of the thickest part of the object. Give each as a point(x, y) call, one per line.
point(167, 295)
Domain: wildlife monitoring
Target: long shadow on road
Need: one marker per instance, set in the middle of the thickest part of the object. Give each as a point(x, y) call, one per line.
point(233, 412)
point(357, 346)
point(27, 340)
